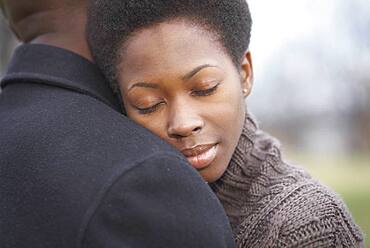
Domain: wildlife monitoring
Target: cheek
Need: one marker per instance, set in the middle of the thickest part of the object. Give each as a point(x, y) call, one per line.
point(154, 122)
point(230, 125)
point(136, 117)
point(230, 106)
point(227, 119)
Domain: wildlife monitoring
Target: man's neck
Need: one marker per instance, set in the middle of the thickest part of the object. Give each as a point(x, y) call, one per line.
point(64, 28)
point(73, 43)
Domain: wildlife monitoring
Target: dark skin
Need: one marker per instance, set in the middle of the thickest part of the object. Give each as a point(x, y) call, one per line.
point(59, 23)
point(177, 81)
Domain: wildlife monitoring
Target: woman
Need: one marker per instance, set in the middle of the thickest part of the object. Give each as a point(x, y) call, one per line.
point(183, 70)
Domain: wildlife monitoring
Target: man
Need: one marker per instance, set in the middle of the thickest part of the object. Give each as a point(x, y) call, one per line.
point(74, 172)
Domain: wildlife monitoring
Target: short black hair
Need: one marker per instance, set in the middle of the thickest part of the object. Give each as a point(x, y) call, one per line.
point(110, 24)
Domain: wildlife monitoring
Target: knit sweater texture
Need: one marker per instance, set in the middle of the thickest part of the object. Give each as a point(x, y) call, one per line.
point(273, 204)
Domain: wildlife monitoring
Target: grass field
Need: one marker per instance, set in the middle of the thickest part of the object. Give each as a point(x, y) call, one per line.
point(348, 176)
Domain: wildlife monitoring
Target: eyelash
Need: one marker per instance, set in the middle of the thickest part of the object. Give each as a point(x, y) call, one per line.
point(206, 92)
point(145, 111)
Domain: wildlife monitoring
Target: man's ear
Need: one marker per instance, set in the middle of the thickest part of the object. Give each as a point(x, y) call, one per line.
point(246, 73)
point(4, 13)
point(2, 8)
point(14, 31)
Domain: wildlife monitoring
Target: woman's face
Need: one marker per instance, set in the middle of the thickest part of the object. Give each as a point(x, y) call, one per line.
point(177, 81)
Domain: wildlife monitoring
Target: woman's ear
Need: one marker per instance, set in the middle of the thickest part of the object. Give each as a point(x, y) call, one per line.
point(246, 72)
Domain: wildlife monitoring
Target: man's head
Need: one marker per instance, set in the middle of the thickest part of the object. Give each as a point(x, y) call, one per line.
point(54, 22)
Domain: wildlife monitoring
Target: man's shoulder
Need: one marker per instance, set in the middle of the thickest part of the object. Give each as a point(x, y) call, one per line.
point(59, 149)
point(49, 127)
point(50, 124)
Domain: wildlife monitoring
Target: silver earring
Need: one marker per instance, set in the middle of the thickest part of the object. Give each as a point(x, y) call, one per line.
point(245, 91)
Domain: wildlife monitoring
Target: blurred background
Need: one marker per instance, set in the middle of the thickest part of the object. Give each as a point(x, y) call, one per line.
point(311, 89)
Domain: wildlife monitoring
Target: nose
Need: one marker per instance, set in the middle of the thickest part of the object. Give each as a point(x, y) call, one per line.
point(184, 122)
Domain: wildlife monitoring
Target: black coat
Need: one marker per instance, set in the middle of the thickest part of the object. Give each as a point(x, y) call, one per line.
point(74, 172)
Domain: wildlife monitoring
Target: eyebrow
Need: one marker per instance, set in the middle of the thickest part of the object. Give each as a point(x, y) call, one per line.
point(196, 70)
point(145, 85)
point(186, 77)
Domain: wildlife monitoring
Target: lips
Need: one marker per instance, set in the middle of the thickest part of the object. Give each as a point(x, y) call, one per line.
point(201, 156)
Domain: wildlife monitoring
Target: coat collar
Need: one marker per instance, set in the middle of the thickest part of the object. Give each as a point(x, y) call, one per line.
point(42, 64)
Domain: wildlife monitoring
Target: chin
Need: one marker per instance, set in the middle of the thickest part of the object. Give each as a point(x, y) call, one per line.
point(211, 175)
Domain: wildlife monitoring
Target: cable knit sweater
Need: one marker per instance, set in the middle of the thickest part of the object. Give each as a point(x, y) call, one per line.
point(273, 204)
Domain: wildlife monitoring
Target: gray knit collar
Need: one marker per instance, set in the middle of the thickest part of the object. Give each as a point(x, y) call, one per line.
point(237, 184)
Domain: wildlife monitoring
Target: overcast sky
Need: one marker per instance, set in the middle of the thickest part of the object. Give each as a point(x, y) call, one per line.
point(313, 50)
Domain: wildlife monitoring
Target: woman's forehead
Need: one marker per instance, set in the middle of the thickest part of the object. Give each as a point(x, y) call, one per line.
point(170, 44)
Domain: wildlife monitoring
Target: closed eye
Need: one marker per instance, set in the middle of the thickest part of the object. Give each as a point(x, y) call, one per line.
point(205, 92)
point(150, 109)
